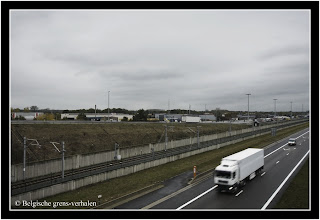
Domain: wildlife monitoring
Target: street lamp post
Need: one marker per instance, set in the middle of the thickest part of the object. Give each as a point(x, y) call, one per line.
point(108, 105)
point(275, 109)
point(248, 105)
point(291, 110)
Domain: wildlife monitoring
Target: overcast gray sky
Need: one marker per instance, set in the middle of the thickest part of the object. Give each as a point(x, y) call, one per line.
point(71, 59)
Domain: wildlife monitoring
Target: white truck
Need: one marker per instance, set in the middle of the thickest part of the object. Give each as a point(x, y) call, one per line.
point(235, 170)
point(190, 119)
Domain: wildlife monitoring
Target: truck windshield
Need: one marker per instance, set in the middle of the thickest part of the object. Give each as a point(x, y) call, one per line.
point(223, 174)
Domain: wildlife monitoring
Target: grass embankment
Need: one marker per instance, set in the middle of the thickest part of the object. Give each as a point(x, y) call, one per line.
point(90, 138)
point(121, 186)
point(296, 195)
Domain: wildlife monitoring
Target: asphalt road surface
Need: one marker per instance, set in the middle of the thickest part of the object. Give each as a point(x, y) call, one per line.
point(282, 163)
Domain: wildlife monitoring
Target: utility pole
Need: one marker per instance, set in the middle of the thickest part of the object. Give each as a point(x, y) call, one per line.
point(205, 111)
point(62, 155)
point(191, 139)
point(63, 150)
point(291, 110)
point(115, 150)
point(95, 112)
point(198, 138)
point(248, 105)
point(24, 157)
point(24, 152)
point(166, 138)
point(108, 105)
point(275, 109)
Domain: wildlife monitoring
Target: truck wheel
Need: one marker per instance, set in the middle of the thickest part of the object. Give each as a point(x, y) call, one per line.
point(258, 171)
point(235, 189)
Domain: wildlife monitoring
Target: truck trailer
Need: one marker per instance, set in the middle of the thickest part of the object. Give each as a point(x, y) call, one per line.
point(191, 119)
point(237, 169)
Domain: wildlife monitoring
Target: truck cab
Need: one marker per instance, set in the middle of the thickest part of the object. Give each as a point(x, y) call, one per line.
point(237, 169)
point(226, 175)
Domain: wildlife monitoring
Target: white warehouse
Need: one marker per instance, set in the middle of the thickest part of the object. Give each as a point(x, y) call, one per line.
point(99, 116)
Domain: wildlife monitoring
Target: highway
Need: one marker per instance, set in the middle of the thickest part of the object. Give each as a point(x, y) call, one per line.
point(282, 163)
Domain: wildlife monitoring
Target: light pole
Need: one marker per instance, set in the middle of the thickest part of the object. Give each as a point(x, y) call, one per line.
point(275, 109)
point(166, 138)
point(248, 105)
point(291, 110)
point(108, 105)
point(198, 136)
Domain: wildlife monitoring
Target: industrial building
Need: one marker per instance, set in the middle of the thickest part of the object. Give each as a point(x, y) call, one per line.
point(184, 118)
point(98, 116)
point(26, 115)
point(207, 117)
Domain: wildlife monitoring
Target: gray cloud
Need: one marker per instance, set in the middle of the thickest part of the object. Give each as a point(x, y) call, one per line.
point(286, 51)
point(70, 59)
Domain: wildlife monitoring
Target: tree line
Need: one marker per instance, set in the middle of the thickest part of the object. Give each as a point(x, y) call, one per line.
point(143, 115)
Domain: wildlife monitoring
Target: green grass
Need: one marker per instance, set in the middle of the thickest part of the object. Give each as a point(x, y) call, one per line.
point(296, 195)
point(121, 186)
point(90, 138)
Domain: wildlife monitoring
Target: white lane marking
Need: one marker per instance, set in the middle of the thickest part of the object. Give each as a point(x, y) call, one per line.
point(167, 197)
point(263, 173)
point(283, 146)
point(194, 199)
point(176, 193)
point(284, 181)
point(277, 162)
point(239, 193)
point(275, 150)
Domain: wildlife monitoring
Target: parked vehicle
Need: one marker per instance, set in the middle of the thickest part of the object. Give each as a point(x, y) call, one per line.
point(237, 169)
point(191, 119)
point(292, 141)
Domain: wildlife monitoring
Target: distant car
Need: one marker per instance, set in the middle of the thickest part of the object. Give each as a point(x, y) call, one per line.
point(292, 141)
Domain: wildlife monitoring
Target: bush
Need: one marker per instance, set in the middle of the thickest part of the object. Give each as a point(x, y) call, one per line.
point(81, 116)
point(46, 116)
point(20, 118)
point(124, 119)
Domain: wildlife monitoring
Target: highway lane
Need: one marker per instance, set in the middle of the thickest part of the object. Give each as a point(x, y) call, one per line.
point(280, 160)
point(257, 192)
